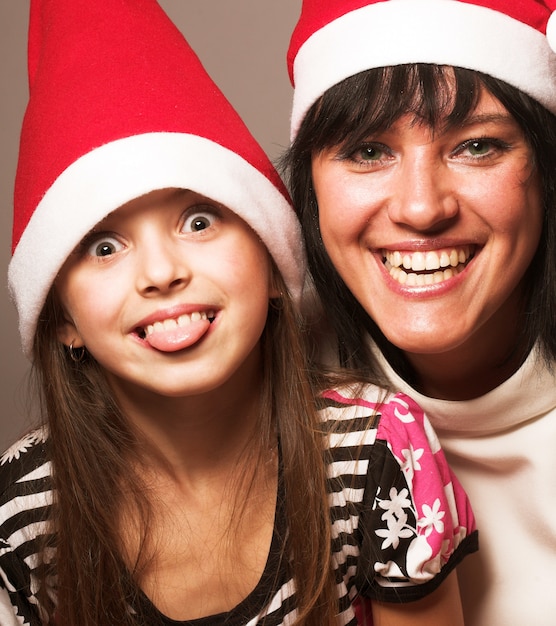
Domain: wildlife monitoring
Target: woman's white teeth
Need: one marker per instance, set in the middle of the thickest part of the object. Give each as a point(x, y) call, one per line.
point(403, 266)
point(411, 279)
point(429, 260)
point(182, 320)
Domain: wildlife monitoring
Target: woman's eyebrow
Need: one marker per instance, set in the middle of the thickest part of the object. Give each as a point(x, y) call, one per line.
point(487, 118)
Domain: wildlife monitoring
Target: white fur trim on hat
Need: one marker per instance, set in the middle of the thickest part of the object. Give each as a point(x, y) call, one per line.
point(551, 31)
point(108, 177)
point(444, 32)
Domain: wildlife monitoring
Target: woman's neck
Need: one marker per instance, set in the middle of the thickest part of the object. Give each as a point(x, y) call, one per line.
point(478, 364)
point(474, 368)
point(460, 376)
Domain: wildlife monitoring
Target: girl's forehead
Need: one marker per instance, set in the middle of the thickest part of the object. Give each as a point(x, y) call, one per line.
point(161, 198)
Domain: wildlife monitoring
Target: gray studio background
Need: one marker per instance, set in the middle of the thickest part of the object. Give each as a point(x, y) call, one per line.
point(242, 43)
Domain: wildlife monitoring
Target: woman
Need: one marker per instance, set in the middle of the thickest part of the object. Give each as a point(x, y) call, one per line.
point(422, 162)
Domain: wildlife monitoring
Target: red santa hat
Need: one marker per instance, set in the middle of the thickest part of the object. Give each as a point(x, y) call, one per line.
point(335, 39)
point(120, 105)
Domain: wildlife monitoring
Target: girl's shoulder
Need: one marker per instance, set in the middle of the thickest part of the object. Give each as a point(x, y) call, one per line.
point(367, 417)
point(414, 516)
point(25, 503)
point(25, 467)
point(367, 396)
point(362, 407)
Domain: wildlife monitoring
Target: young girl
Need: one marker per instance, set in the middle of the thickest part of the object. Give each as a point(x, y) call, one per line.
point(423, 166)
point(183, 475)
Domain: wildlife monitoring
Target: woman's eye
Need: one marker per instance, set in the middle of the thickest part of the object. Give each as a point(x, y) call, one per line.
point(479, 147)
point(198, 221)
point(104, 246)
point(369, 153)
point(482, 148)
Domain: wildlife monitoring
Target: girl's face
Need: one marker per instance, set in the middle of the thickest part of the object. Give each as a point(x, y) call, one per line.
point(169, 293)
point(433, 231)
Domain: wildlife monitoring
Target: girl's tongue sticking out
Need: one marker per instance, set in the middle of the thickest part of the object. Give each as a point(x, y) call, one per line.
point(172, 335)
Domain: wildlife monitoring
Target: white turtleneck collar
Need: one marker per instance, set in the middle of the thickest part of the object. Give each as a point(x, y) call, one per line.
point(529, 393)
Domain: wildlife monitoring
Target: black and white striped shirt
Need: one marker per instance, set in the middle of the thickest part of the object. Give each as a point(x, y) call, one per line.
point(400, 520)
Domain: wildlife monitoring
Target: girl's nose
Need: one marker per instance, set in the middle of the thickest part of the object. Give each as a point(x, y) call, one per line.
point(162, 266)
point(423, 199)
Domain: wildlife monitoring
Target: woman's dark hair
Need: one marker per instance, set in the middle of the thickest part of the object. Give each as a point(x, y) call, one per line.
point(372, 101)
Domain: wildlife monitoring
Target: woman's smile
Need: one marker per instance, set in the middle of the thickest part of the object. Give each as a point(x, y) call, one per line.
point(429, 267)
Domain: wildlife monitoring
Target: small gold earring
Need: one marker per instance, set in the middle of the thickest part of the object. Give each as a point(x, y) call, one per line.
point(76, 354)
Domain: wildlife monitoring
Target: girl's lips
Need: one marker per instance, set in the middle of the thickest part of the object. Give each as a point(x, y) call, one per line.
point(175, 312)
point(176, 333)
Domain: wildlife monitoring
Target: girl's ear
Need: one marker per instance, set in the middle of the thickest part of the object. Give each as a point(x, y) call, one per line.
point(66, 330)
point(69, 335)
point(276, 284)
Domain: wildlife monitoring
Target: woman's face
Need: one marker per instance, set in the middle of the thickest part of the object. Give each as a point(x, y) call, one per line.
point(433, 231)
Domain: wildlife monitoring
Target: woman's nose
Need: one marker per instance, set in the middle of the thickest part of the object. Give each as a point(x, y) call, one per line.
point(162, 266)
point(423, 198)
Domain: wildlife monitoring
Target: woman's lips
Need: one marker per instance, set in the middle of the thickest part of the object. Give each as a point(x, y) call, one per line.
point(426, 267)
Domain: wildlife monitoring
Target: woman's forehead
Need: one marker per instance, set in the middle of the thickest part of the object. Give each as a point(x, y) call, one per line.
point(432, 94)
point(437, 96)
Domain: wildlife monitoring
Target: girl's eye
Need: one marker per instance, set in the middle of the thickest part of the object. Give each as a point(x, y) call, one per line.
point(104, 246)
point(198, 220)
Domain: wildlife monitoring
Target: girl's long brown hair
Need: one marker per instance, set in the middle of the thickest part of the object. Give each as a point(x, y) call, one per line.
point(93, 450)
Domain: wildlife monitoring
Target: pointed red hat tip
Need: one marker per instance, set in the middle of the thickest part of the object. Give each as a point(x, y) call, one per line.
point(121, 105)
